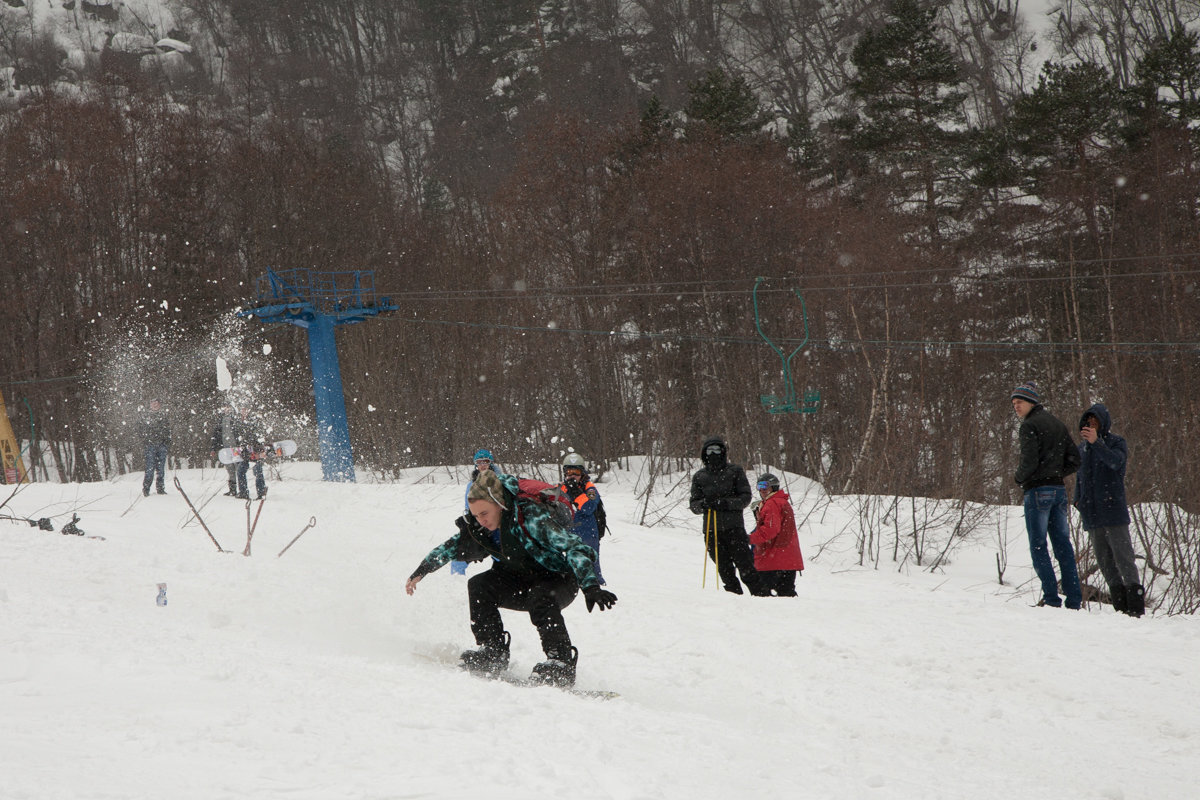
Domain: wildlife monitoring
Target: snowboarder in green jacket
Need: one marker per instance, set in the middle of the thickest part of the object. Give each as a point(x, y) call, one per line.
point(537, 567)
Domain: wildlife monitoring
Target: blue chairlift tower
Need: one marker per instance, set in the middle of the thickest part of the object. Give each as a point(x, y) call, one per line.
point(319, 302)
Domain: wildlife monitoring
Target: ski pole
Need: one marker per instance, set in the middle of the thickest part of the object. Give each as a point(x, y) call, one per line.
point(716, 545)
point(251, 528)
point(710, 525)
point(311, 522)
point(199, 519)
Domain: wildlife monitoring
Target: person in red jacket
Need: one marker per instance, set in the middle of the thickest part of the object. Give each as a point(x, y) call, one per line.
point(777, 556)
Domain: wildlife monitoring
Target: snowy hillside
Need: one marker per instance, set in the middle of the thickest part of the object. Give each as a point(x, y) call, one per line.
point(313, 675)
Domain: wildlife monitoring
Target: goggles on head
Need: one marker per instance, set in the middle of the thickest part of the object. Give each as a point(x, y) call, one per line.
point(764, 485)
point(573, 472)
point(483, 462)
point(714, 450)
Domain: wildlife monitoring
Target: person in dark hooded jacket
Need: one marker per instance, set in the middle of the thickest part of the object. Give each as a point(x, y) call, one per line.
point(1100, 501)
point(720, 492)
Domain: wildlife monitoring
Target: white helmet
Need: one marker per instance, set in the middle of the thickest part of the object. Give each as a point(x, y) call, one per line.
point(573, 461)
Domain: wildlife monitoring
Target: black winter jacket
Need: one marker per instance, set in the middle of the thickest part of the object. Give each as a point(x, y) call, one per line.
point(1100, 484)
point(720, 487)
point(249, 434)
point(156, 429)
point(223, 432)
point(1048, 454)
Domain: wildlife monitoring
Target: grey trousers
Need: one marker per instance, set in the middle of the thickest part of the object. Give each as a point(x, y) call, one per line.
point(1114, 553)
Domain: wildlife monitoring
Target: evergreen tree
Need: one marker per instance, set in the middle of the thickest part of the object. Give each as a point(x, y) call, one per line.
point(1070, 116)
point(725, 105)
point(1172, 64)
point(912, 119)
point(1065, 132)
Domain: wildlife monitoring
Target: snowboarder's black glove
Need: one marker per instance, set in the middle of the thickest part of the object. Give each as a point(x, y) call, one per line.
point(465, 523)
point(595, 596)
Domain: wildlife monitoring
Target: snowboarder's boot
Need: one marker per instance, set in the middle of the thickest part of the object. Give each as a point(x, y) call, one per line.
point(490, 658)
point(1135, 598)
point(558, 669)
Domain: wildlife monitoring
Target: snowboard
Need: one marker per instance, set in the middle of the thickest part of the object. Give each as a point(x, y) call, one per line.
point(230, 455)
point(517, 680)
point(445, 658)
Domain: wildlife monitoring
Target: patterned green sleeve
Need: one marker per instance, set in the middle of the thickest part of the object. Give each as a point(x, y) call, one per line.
point(567, 546)
point(438, 557)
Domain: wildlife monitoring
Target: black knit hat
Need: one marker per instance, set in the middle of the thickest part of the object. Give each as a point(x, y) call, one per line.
point(1028, 392)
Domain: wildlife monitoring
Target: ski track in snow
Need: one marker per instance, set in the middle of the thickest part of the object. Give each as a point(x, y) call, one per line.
point(314, 676)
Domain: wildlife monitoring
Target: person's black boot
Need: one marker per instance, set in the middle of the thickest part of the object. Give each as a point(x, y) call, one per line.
point(1120, 600)
point(490, 658)
point(1135, 598)
point(558, 669)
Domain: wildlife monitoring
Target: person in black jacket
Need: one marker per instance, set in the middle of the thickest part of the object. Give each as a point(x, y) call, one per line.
point(720, 492)
point(1047, 456)
point(1100, 501)
point(156, 439)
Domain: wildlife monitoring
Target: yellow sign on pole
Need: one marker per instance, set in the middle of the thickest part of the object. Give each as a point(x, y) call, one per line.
point(10, 450)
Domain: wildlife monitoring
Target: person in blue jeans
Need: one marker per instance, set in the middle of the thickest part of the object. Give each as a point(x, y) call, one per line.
point(1048, 455)
point(156, 440)
point(483, 462)
point(252, 445)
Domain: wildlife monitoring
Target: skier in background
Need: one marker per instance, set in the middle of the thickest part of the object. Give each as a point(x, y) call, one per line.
point(156, 440)
point(579, 489)
point(777, 556)
point(483, 461)
point(720, 492)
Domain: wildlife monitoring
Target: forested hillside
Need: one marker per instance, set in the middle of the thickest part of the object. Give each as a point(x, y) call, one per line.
point(570, 203)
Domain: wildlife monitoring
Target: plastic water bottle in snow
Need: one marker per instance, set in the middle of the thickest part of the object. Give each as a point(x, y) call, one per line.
point(162, 594)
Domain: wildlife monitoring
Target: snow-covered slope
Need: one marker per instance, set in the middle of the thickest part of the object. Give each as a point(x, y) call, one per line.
point(314, 676)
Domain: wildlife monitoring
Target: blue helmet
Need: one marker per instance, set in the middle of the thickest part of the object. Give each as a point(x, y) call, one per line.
point(482, 453)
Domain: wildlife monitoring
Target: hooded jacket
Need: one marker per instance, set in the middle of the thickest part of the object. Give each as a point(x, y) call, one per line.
point(1100, 484)
point(1048, 454)
point(528, 543)
point(776, 545)
point(720, 487)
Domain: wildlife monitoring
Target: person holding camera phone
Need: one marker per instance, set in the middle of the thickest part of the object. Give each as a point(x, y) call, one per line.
point(1100, 501)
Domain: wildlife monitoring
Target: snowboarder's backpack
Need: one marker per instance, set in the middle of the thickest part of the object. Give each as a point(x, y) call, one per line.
point(549, 497)
point(601, 517)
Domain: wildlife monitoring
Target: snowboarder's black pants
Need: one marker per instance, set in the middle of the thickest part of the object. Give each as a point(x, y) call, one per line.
point(544, 597)
point(730, 551)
